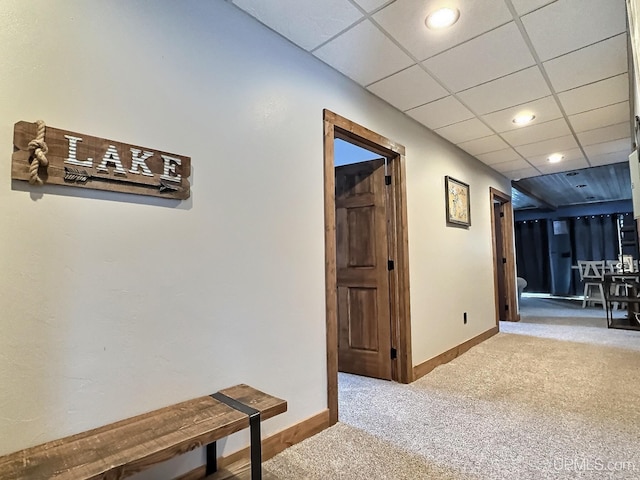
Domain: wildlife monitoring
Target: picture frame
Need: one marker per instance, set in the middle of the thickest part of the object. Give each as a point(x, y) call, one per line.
point(457, 202)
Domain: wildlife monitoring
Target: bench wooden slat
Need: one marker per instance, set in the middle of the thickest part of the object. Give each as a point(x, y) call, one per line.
point(123, 448)
point(268, 405)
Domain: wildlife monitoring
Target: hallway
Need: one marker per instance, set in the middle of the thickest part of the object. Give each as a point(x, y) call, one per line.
point(551, 397)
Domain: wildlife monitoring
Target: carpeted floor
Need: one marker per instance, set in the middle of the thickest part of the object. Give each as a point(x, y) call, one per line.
point(555, 396)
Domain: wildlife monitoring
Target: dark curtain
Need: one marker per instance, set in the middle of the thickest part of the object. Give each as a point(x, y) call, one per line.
point(593, 237)
point(532, 254)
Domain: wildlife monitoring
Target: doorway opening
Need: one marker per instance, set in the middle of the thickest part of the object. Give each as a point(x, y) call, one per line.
point(360, 208)
point(504, 270)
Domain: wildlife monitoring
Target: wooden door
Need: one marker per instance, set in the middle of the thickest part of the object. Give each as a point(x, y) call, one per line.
point(504, 255)
point(500, 259)
point(362, 264)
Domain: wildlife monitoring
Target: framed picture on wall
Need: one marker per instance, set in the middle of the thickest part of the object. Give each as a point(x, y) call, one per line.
point(458, 205)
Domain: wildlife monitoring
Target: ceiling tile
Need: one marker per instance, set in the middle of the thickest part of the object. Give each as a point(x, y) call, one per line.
point(370, 5)
point(408, 88)
point(307, 23)
point(590, 64)
point(605, 134)
point(547, 147)
point(469, 64)
point(440, 113)
point(537, 132)
point(510, 166)
point(568, 154)
point(598, 117)
point(378, 58)
point(568, 25)
point(464, 131)
point(514, 89)
point(609, 158)
point(526, 6)
point(544, 109)
point(522, 173)
point(483, 145)
point(622, 145)
point(595, 95)
point(404, 19)
point(563, 166)
point(499, 156)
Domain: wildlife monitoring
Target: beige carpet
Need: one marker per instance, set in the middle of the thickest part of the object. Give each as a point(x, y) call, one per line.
point(556, 396)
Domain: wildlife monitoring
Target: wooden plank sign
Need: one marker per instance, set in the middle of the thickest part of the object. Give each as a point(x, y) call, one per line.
point(79, 160)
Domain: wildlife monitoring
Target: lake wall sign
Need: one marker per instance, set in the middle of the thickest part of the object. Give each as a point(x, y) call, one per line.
point(43, 154)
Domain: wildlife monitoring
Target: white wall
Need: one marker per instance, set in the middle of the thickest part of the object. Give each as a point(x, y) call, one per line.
point(112, 305)
point(633, 22)
point(451, 268)
point(634, 45)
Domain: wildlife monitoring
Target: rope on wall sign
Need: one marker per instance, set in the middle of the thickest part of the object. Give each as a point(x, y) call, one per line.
point(40, 149)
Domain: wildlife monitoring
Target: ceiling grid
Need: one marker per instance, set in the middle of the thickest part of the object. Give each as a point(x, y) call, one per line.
point(565, 61)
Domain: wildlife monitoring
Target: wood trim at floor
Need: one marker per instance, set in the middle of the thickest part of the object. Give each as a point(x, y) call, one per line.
point(425, 367)
point(271, 446)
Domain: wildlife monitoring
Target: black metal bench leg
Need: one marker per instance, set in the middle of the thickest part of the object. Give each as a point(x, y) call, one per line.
point(254, 430)
point(256, 447)
point(212, 458)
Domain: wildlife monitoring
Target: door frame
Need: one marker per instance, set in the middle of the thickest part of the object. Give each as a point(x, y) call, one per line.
point(336, 126)
point(508, 245)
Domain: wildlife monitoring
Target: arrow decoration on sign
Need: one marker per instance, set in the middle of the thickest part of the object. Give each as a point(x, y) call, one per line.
point(75, 175)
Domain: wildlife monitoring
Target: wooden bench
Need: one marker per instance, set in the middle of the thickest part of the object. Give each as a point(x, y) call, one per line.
point(129, 446)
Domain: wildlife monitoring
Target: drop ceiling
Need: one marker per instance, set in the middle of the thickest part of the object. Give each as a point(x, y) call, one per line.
point(565, 61)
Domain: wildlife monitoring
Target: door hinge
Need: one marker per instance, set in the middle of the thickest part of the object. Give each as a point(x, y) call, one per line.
point(394, 353)
point(390, 265)
point(387, 179)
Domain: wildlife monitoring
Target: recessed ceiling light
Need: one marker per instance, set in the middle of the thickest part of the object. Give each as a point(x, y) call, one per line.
point(555, 158)
point(445, 17)
point(523, 118)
